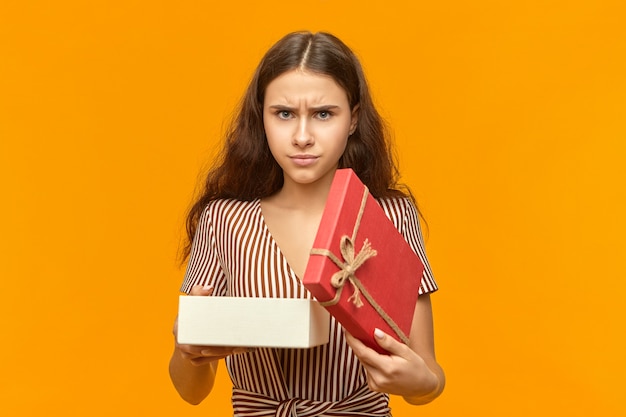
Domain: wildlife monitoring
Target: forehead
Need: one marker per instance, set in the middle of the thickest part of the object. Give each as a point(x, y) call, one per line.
point(297, 85)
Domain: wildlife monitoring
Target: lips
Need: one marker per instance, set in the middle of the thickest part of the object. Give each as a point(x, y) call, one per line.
point(303, 159)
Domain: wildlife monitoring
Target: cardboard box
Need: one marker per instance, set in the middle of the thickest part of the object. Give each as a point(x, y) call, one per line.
point(252, 322)
point(387, 282)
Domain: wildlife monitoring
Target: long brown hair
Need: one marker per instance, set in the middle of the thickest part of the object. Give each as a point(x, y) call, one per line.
point(246, 170)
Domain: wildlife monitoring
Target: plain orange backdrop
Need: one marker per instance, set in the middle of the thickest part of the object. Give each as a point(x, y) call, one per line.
point(509, 119)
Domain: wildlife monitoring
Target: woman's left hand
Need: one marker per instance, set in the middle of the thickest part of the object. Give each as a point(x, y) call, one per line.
point(402, 372)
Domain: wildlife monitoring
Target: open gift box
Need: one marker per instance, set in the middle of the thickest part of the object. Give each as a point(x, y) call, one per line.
point(361, 269)
point(252, 322)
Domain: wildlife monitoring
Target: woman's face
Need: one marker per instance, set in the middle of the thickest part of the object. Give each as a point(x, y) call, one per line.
point(308, 120)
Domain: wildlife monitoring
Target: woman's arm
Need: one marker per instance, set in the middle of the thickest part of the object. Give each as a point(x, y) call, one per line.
point(410, 371)
point(193, 382)
point(193, 368)
point(422, 342)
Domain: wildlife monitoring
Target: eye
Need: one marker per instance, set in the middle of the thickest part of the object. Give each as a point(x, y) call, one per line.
point(283, 114)
point(324, 115)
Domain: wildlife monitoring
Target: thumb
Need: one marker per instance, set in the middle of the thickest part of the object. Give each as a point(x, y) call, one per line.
point(201, 290)
point(388, 343)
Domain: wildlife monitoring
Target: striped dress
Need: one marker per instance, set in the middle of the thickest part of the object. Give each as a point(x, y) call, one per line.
point(234, 252)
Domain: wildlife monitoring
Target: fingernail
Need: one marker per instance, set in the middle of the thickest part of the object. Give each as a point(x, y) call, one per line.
point(379, 333)
point(207, 287)
point(205, 352)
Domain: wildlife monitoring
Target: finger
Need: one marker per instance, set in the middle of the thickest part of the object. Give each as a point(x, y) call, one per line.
point(227, 351)
point(212, 356)
point(354, 343)
point(372, 384)
point(366, 355)
point(390, 344)
point(200, 361)
point(193, 351)
point(201, 290)
point(199, 355)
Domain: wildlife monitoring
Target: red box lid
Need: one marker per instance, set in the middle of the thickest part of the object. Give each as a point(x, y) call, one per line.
point(389, 280)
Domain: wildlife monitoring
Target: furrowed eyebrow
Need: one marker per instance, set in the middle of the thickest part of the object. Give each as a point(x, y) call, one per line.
point(316, 109)
point(325, 108)
point(281, 107)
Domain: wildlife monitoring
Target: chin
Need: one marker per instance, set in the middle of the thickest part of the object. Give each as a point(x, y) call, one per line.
point(307, 177)
point(304, 179)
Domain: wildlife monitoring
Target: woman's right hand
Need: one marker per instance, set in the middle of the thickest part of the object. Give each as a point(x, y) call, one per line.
point(202, 355)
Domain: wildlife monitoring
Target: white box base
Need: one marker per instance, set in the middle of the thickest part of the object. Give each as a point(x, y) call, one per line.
point(252, 322)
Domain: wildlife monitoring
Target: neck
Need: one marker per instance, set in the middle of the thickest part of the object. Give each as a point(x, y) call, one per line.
point(304, 197)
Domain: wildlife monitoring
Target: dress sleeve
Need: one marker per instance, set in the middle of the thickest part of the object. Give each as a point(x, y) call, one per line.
point(204, 266)
point(412, 232)
point(403, 214)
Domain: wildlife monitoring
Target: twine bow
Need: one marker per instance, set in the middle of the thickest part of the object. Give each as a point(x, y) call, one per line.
point(347, 268)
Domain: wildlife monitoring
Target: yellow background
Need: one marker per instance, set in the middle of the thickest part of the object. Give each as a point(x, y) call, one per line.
point(509, 119)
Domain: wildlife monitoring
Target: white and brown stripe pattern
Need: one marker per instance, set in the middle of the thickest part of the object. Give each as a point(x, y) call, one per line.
point(234, 252)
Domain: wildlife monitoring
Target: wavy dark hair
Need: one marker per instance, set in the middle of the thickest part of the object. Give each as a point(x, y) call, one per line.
point(246, 170)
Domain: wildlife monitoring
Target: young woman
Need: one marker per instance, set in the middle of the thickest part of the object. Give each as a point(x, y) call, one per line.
point(306, 113)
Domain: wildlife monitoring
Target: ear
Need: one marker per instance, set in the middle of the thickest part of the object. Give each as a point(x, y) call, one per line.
point(354, 118)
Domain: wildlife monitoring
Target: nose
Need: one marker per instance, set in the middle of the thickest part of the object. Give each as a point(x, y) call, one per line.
point(303, 136)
